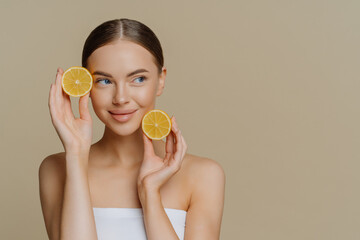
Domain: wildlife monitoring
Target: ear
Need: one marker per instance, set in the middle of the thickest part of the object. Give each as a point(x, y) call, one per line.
point(161, 82)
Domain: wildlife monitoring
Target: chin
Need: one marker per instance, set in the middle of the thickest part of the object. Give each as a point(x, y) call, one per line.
point(124, 129)
point(125, 132)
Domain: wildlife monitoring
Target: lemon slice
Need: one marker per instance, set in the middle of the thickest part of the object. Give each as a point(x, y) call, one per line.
point(156, 124)
point(76, 81)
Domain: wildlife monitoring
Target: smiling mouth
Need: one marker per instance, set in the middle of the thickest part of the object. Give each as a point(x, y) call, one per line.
point(123, 117)
point(115, 113)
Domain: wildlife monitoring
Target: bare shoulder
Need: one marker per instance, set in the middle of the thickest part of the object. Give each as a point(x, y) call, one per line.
point(56, 160)
point(203, 174)
point(53, 166)
point(51, 182)
point(204, 216)
point(200, 167)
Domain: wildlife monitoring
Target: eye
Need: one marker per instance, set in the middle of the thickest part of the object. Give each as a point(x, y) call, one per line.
point(142, 77)
point(99, 80)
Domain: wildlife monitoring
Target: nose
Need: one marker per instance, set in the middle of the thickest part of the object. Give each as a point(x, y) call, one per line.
point(121, 95)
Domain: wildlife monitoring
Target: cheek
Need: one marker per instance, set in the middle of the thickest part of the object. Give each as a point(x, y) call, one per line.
point(145, 95)
point(99, 98)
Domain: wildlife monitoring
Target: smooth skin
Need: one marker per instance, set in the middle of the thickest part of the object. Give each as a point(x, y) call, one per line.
point(138, 172)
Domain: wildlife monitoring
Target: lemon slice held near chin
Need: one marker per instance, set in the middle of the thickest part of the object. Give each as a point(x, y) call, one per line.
point(156, 124)
point(76, 81)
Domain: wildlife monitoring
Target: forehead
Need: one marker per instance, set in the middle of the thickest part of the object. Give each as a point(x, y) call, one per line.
point(120, 58)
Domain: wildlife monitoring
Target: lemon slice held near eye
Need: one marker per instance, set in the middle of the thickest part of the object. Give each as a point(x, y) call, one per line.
point(156, 124)
point(76, 81)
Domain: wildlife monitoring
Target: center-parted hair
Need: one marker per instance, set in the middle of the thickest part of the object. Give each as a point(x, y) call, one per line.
point(126, 29)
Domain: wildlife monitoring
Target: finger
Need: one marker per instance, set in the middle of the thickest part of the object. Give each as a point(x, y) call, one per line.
point(170, 140)
point(148, 146)
point(174, 135)
point(52, 104)
point(63, 99)
point(57, 72)
point(169, 145)
point(58, 84)
point(67, 105)
point(84, 107)
point(51, 99)
point(184, 147)
point(179, 146)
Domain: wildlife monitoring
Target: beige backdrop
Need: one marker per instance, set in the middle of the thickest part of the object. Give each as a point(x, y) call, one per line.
point(269, 89)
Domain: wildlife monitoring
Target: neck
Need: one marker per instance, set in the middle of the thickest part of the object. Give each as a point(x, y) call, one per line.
point(125, 151)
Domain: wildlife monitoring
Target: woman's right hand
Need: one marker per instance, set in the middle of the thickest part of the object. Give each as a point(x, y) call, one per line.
point(75, 133)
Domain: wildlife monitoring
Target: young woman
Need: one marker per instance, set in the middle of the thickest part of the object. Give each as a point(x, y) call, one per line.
point(125, 186)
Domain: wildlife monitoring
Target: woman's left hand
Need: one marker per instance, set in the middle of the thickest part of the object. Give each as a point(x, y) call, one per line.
point(155, 171)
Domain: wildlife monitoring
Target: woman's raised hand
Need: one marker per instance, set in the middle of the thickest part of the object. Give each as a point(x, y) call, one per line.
point(156, 171)
point(75, 133)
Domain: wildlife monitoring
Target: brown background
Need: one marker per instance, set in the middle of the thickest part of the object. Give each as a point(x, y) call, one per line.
point(269, 89)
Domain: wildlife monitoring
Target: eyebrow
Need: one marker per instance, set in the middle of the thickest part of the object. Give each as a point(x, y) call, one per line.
point(129, 75)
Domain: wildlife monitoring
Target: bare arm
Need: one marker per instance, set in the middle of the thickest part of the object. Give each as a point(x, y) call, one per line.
point(203, 220)
point(77, 220)
point(154, 172)
point(65, 198)
point(64, 187)
point(204, 216)
point(51, 182)
point(157, 223)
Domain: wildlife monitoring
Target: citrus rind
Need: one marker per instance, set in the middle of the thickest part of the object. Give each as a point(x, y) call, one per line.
point(88, 80)
point(148, 121)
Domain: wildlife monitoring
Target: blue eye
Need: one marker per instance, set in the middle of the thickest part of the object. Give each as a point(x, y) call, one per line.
point(101, 80)
point(141, 78)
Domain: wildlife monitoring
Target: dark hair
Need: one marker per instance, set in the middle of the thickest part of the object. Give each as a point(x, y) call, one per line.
point(126, 29)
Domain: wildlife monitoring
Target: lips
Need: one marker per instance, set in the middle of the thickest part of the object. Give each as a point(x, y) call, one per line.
point(122, 112)
point(123, 117)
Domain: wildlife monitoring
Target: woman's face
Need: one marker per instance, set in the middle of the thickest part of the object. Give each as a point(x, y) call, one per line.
point(118, 86)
